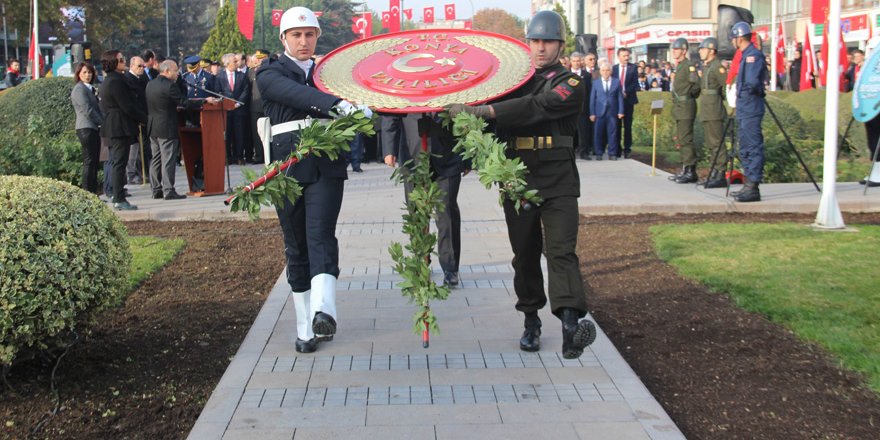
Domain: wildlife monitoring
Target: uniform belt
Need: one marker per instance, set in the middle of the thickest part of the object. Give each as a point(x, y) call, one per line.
point(683, 98)
point(542, 142)
point(286, 127)
point(710, 92)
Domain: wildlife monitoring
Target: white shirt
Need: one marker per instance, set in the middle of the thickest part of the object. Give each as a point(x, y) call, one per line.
point(306, 65)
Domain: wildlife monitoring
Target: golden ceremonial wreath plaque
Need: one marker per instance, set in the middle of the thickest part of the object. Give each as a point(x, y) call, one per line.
point(423, 70)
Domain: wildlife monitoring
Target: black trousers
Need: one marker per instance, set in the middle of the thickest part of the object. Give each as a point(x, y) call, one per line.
point(91, 151)
point(309, 228)
point(448, 222)
point(553, 227)
point(236, 136)
point(585, 135)
point(872, 130)
point(626, 126)
point(119, 147)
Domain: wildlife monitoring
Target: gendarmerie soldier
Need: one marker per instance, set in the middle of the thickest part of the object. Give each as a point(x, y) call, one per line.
point(539, 121)
point(749, 111)
point(712, 111)
point(290, 100)
point(685, 90)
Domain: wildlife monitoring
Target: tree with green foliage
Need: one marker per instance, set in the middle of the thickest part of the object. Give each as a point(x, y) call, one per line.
point(569, 35)
point(225, 37)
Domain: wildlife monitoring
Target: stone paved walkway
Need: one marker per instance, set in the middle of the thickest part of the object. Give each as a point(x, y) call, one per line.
point(376, 381)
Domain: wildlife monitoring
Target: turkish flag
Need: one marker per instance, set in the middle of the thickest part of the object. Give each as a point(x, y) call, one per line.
point(276, 17)
point(780, 50)
point(36, 60)
point(318, 13)
point(842, 61)
point(428, 15)
point(469, 24)
point(450, 11)
point(808, 63)
point(407, 13)
point(394, 9)
point(246, 18)
point(819, 12)
point(386, 19)
point(362, 25)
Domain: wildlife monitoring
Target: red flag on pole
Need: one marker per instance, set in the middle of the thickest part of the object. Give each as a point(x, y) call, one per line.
point(819, 11)
point(428, 15)
point(407, 13)
point(276, 17)
point(386, 19)
point(808, 63)
point(246, 18)
point(394, 9)
point(318, 13)
point(450, 11)
point(843, 64)
point(36, 60)
point(780, 50)
point(469, 24)
point(362, 25)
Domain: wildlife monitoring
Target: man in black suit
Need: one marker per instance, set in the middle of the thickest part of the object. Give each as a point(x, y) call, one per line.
point(234, 84)
point(255, 107)
point(584, 144)
point(121, 118)
point(137, 80)
point(151, 64)
point(164, 94)
point(629, 82)
point(446, 167)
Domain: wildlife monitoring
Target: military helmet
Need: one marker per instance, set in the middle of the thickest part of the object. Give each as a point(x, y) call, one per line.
point(545, 25)
point(298, 17)
point(680, 43)
point(740, 29)
point(710, 43)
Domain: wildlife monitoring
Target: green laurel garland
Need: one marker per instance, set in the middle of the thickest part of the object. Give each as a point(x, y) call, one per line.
point(493, 167)
point(318, 139)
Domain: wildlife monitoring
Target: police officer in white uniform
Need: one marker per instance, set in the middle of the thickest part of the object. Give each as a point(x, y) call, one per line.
point(290, 100)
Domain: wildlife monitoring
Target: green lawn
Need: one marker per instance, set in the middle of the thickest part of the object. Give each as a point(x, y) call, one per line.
point(824, 286)
point(149, 254)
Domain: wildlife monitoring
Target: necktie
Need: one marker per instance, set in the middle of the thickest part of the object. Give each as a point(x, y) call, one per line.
point(622, 74)
point(606, 86)
point(231, 76)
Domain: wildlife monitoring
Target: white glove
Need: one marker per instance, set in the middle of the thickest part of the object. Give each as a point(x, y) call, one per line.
point(367, 112)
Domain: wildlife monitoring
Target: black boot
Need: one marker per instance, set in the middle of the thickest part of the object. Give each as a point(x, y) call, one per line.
point(716, 180)
point(324, 325)
point(577, 334)
point(741, 190)
point(689, 175)
point(675, 177)
point(531, 338)
point(750, 193)
point(306, 346)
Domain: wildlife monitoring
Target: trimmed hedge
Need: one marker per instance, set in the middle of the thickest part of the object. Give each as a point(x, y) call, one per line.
point(64, 257)
point(802, 114)
point(38, 136)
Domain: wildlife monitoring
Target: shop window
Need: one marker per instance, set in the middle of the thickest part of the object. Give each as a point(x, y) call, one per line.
point(641, 10)
point(701, 8)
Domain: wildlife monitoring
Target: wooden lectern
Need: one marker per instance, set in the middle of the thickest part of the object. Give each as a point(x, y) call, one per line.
point(208, 144)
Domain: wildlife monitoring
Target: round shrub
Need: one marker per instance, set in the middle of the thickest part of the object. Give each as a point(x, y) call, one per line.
point(64, 257)
point(38, 136)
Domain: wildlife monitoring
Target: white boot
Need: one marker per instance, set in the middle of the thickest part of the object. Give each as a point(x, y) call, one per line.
point(323, 306)
point(875, 173)
point(304, 336)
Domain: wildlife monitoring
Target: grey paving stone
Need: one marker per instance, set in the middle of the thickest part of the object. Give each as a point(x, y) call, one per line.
point(611, 430)
point(291, 418)
point(431, 415)
point(508, 431)
point(567, 412)
point(365, 432)
point(252, 434)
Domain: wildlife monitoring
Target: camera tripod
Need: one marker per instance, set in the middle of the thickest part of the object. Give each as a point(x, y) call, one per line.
point(730, 126)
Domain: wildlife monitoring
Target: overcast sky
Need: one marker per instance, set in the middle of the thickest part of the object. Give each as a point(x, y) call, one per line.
point(520, 8)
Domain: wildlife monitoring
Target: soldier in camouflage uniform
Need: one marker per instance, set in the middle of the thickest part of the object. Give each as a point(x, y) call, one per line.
point(712, 111)
point(685, 90)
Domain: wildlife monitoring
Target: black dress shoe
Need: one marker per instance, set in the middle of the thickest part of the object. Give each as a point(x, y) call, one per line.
point(599, 157)
point(324, 327)
point(613, 158)
point(158, 195)
point(577, 334)
point(306, 346)
point(627, 155)
point(357, 170)
point(450, 278)
point(531, 337)
point(872, 184)
point(173, 195)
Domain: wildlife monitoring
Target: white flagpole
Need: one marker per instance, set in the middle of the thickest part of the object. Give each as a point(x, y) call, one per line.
point(774, 41)
point(36, 37)
point(828, 216)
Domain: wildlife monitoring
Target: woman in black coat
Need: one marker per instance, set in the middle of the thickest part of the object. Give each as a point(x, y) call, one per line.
point(121, 118)
point(88, 122)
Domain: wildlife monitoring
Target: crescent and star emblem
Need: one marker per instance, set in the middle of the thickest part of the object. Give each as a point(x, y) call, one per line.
point(402, 63)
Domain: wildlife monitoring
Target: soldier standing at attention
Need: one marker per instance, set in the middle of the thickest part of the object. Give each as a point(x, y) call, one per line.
point(290, 100)
point(685, 90)
point(712, 110)
point(539, 121)
point(749, 112)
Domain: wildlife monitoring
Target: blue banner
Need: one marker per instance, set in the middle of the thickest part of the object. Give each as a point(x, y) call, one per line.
point(866, 94)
